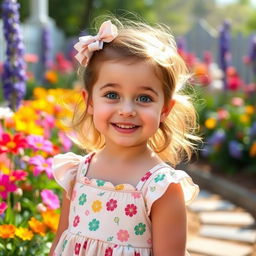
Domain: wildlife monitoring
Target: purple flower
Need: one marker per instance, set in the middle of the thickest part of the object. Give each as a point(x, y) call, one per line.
point(50, 199)
point(41, 164)
point(14, 75)
point(37, 142)
point(235, 149)
point(46, 48)
point(217, 137)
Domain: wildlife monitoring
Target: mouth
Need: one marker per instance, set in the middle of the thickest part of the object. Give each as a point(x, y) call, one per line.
point(125, 128)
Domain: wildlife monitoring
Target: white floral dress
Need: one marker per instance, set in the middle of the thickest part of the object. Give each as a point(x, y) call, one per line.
point(108, 220)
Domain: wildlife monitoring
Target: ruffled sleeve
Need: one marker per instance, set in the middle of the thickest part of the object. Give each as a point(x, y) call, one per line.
point(158, 183)
point(65, 167)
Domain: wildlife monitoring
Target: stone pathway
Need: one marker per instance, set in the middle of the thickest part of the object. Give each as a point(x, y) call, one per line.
point(219, 228)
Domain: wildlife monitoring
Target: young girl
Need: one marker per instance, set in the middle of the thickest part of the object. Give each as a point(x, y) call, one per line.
point(122, 198)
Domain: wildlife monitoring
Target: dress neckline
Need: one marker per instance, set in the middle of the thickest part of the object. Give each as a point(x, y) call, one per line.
point(118, 187)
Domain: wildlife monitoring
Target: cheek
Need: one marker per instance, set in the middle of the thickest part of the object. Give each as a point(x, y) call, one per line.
point(152, 117)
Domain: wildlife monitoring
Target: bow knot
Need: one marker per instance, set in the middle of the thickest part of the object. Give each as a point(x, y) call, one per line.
point(88, 44)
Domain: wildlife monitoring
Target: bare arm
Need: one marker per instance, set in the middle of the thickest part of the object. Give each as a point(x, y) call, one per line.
point(169, 223)
point(63, 223)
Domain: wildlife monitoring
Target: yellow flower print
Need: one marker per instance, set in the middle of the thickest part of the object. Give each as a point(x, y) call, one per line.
point(119, 187)
point(96, 206)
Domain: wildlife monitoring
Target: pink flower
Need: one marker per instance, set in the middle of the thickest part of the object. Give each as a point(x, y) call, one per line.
point(146, 176)
point(65, 141)
point(136, 195)
point(37, 142)
point(123, 235)
point(19, 175)
point(76, 221)
point(222, 114)
point(77, 248)
point(237, 101)
point(3, 207)
point(111, 205)
point(50, 199)
point(6, 186)
point(41, 164)
point(108, 251)
point(130, 210)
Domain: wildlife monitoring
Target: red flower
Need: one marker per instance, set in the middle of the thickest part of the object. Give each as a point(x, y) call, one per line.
point(111, 205)
point(77, 248)
point(146, 176)
point(109, 251)
point(130, 210)
point(12, 144)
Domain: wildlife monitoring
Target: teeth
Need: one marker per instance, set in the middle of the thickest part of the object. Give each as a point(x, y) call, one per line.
point(125, 126)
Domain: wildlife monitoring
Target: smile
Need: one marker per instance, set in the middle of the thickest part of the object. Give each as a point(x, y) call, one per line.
point(125, 128)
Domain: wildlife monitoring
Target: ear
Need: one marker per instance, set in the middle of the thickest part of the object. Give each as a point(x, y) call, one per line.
point(87, 101)
point(166, 109)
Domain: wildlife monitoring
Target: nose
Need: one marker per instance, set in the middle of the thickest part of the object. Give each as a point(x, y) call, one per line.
point(127, 110)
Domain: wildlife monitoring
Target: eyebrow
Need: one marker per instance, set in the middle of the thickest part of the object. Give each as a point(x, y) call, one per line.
point(146, 88)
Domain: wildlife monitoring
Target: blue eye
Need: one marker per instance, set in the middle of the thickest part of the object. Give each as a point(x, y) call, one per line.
point(144, 98)
point(111, 95)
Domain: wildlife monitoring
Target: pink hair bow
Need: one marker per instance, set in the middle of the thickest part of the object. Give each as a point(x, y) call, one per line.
point(88, 44)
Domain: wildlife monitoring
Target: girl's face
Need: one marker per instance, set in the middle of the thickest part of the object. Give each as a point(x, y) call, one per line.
point(127, 103)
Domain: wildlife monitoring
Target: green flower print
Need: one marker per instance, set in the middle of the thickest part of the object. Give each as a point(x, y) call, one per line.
point(64, 244)
point(140, 229)
point(82, 199)
point(94, 225)
point(159, 177)
point(100, 183)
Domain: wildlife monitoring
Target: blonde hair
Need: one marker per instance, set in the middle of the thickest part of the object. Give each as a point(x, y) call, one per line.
point(175, 138)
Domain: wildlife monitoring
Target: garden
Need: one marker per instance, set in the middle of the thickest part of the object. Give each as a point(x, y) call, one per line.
point(34, 113)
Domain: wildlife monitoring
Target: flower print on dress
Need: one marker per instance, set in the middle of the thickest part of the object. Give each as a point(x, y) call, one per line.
point(85, 245)
point(100, 183)
point(146, 176)
point(136, 254)
point(136, 195)
point(140, 229)
point(64, 244)
point(159, 177)
point(76, 221)
point(82, 199)
point(94, 225)
point(130, 210)
point(96, 205)
point(111, 205)
point(123, 235)
point(109, 251)
point(77, 248)
point(119, 187)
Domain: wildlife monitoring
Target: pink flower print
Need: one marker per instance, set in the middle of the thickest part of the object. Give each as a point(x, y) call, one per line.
point(146, 176)
point(76, 221)
point(77, 248)
point(130, 210)
point(136, 254)
point(85, 245)
point(87, 212)
point(136, 195)
point(109, 251)
point(123, 235)
point(111, 205)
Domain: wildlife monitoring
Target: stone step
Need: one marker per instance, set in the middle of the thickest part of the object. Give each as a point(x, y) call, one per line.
point(211, 205)
point(229, 233)
point(227, 218)
point(213, 247)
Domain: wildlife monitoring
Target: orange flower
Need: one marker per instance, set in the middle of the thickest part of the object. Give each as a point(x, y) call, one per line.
point(24, 233)
point(210, 123)
point(253, 150)
point(51, 219)
point(7, 231)
point(37, 226)
point(51, 77)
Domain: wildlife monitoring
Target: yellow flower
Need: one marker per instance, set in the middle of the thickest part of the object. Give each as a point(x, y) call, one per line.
point(253, 150)
point(24, 233)
point(244, 118)
point(7, 231)
point(40, 93)
point(51, 76)
point(4, 169)
point(37, 226)
point(51, 219)
point(96, 206)
point(119, 187)
point(210, 123)
point(249, 109)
